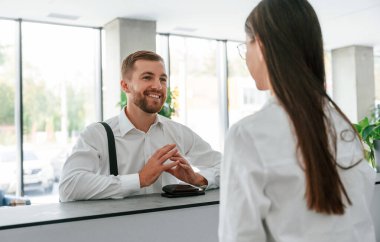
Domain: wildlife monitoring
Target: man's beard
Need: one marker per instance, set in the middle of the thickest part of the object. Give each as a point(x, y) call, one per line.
point(141, 100)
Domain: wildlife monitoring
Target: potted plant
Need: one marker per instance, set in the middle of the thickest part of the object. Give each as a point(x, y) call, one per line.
point(169, 108)
point(370, 134)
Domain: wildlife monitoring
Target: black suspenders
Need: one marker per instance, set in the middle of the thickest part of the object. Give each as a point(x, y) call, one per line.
point(111, 149)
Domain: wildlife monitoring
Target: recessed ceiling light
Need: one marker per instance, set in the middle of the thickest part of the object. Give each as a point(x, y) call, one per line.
point(63, 16)
point(184, 29)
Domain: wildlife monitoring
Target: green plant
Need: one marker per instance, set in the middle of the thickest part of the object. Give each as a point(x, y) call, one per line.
point(369, 132)
point(167, 109)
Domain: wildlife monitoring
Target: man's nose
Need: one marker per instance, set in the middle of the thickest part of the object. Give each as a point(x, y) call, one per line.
point(157, 84)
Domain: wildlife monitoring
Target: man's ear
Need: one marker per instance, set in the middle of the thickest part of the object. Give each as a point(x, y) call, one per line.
point(124, 86)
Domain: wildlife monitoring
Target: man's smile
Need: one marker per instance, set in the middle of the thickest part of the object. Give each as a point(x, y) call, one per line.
point(154, 95)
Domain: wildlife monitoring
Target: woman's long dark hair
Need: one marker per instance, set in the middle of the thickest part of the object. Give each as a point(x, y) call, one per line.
point(292, 46)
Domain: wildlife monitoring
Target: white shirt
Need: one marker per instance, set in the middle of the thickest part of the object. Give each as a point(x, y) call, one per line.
point(263, 186)
point(85, 174)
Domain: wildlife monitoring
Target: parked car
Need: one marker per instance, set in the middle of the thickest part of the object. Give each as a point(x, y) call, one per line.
point(59, 160)
point(38, 174)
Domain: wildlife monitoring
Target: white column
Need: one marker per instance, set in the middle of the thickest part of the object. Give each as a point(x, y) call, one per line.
point(122, 37)
point(353, 80)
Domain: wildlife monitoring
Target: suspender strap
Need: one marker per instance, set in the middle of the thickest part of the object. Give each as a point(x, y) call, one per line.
point(111, 149)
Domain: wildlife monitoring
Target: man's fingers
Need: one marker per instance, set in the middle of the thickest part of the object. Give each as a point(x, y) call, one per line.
point(169, 154)
point(185, 166)
point(168, 167)
point(162, 151)
point(174, 158)
point(184, 162)
point(178, 155)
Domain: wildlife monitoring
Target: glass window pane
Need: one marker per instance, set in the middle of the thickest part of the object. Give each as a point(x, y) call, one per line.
point(59, 78)
point(8, 162)
point(194, 81)
point(243, 96)
point(377, 75)
point(376, 60)
point(162, 49)
point(328, 70)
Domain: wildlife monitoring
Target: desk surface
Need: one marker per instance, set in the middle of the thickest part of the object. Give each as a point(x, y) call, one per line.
point(24, 216)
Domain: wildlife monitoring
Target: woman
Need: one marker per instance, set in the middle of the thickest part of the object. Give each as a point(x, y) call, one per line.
point(294, 171)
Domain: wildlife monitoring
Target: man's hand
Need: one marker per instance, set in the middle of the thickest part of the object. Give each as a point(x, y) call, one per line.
point(155, 165)
point(185, 172)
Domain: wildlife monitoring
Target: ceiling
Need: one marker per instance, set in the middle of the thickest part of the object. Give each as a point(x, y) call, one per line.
point(344, 22)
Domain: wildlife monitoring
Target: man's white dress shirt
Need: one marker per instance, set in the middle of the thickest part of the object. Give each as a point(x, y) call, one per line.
point(85, 174)
point(263, 185)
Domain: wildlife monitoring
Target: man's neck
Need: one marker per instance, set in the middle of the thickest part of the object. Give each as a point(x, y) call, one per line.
point(140, 119)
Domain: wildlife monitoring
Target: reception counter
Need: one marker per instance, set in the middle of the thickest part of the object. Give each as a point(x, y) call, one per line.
point(141, 218)
point(375, 207)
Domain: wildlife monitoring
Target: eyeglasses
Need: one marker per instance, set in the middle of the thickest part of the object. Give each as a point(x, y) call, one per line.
point(242, 48)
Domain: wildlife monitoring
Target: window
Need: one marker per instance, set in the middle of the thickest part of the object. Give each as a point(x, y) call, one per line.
point(249, 96)
point(377, 75)
point(59, 87)
point(193, 75)
point(8, 180)
point(243, 96)
point(328, 70)
point(163, 50)
point(376, 60)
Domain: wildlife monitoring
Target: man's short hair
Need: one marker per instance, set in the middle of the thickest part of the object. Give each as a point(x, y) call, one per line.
point(129, 62)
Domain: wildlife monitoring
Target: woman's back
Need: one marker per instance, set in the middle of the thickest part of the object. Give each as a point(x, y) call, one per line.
point(269, 203)
point(283, 177)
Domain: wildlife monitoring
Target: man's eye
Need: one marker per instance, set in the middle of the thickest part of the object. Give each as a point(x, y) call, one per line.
point(162, 80)
point(147, 77)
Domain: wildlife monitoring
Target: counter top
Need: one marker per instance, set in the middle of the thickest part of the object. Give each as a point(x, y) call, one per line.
point(25, 216)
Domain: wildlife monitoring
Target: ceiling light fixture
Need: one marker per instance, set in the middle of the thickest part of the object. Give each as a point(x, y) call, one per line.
point(184, 29)
point(63, 16)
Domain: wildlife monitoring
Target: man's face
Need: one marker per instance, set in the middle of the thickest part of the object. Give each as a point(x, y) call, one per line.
point(147, 85)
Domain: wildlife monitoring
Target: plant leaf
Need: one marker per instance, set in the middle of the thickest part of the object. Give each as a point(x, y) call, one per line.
point(357, 127)
point(376, 132)
point(368, 131)
point(364, 122)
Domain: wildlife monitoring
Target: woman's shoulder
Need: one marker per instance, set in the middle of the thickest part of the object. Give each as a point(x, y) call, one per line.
point(270, 117)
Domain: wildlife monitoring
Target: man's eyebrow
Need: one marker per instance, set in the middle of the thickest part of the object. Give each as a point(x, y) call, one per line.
point(152, 74)
point(147, 73)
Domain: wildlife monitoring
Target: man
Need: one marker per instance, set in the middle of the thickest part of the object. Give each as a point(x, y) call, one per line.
point(152, 151)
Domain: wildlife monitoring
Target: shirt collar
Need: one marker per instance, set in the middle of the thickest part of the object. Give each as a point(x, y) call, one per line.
point(271, 99)
point(126, 125)
point(160, 119)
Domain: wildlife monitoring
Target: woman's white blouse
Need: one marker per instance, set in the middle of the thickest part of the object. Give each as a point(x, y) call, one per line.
point(263, 185)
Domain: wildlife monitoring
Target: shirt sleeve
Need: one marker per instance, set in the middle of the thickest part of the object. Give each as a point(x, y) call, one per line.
point(243, 204)
point(200, 154)
point(83, 174)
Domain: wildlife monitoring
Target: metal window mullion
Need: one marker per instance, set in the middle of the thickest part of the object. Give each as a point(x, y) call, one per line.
point(168, 56)
point(222, 70)
point(99, 80)
point(19, 111)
